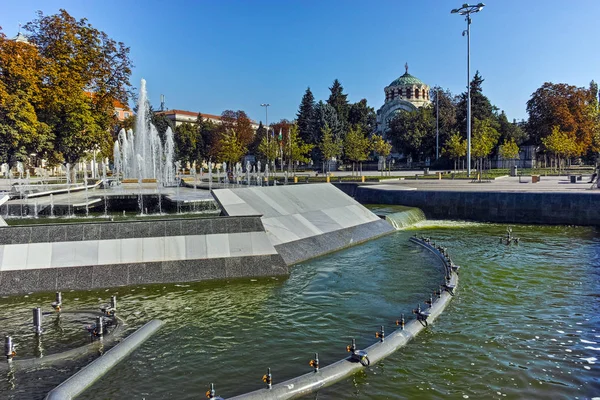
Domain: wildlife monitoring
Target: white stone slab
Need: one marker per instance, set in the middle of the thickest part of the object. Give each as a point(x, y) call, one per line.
point(343, 217)
point(86, 252)
point(301, 219)
point(266, 197)
point(322, 221)
point(109, 251)
point(174, 248)
point(240, 244)
point(227, 197)
point(131, 250)
point(153, 249)
point(261, 244)
point(278, 232)
point(14, 257)
point(217, 245)
point(63, 254)
point(195, 247)
point(39, 255)
point(363, 213)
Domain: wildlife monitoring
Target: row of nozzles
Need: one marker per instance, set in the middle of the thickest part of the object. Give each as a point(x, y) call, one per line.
point(361, 356)
point(96, 330)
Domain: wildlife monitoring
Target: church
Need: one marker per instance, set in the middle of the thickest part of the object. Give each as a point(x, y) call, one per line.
point(406, 93)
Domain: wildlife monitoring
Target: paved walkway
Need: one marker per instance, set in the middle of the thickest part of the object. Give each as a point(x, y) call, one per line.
point(506, 184)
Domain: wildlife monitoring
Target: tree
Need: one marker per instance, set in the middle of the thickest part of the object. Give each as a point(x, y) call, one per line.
point(185, 138)
point(330, 146)
point(305, 116)
point(85, 71)
point(261, 132)
point(21, 74)
point(566, 107)
point(561, 144)
point(361, 114)
point(231, 149)
point(447, 112)
point(356, 146)
point(296, 150)
point(455, 148)
point(326, 115)
point(509, 150)
point(338, 100)
point(509, 130)
point(240, 123)
point(207, 142)
point(481, 107)
point(485, 137)
point(413, 132)
point(381, 147)
point(268, 148)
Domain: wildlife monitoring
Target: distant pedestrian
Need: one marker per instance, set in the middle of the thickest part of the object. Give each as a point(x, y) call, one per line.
point(594, 177)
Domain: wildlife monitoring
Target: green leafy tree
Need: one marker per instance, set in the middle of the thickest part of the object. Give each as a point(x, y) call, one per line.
point(185, 139)
point(85, 71)
point(447, 112)
point(510, 130)
point(268, 148)
point(560, 144)
point(509, 150)
point(330, 146)
point(356, 146)
point(455, 148)
point(484, 139)
point(231, 149)
point(339, 101)
point(21, 74)
point(305, 117)
point(361, 114)
point(413, 132)
point(381, 147)
point(296, 150)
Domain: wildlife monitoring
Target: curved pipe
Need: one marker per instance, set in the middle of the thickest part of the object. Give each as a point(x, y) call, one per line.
point(95, 346)
point(89, 374)
point(337, 371)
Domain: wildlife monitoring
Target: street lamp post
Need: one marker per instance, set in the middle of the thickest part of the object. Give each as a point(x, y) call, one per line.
point(437, 123)
point(266, 106)
point(467, 10)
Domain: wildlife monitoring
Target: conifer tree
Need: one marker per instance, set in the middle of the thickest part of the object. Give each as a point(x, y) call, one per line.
point(306, 116)
point(339, 101)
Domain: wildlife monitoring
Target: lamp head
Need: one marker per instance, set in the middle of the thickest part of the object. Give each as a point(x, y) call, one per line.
point(454, 11)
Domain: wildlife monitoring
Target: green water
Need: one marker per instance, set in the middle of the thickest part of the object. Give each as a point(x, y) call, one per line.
point(525, 322)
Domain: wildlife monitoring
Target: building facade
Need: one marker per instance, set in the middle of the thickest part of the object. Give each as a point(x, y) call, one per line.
point(407, 93)
point(179, 117)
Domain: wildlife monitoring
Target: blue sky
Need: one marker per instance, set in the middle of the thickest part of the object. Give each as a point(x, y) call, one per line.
point(209, 56)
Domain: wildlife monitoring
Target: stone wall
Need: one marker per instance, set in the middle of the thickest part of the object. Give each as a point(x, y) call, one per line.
point(505, 207)
point(94, 255)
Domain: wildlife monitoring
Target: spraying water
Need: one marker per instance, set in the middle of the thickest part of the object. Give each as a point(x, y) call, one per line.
point(145, 144)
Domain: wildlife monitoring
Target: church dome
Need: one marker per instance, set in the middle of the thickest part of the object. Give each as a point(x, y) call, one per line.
point(406, 80)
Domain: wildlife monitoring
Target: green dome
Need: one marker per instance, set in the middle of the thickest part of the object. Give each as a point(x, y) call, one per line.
point(406, 80)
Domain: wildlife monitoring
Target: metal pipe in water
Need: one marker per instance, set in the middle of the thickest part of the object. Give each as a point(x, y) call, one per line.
point(37, 320)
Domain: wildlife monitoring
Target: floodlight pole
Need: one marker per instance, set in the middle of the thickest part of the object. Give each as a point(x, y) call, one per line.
point(467, 10)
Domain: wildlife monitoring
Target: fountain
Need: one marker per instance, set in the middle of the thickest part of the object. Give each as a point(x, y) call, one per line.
point(141, 155)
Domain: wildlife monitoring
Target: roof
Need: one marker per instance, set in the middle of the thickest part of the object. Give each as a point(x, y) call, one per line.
point(406, 80)
point(21, 38)
point(193, 114)
point(116, 103)
point(189, 113)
